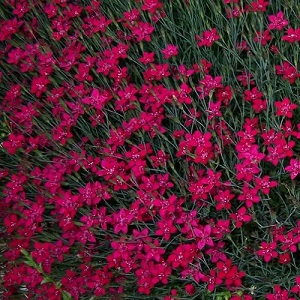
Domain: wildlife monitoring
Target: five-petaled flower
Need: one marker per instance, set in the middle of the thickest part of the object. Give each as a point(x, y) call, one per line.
point(208, 38)
point(278, 21)
point(268, 251)
point(203, 236)
point(285, 108)
point(293, 168)
point(279, 294)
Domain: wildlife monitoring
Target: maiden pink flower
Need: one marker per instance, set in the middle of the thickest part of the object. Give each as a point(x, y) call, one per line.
point(39, 85)
point(262, 37)
point(208, 38)
point(296, 288)
point(279, 294)
point(259, 5)
point(240, 217)
point(170, 51)
point(203, 237)
point(14, 143)
point(277, 22)
point(293, 168)
point(285, 108)
point(268, 251)
point(292, 35)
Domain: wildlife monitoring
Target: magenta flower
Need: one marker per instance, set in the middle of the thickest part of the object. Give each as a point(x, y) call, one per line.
point(203, 237)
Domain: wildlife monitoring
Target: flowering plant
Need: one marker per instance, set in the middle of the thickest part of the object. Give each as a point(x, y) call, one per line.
point(150, 149)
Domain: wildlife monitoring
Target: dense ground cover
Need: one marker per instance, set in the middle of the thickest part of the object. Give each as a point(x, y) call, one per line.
point(150, 149)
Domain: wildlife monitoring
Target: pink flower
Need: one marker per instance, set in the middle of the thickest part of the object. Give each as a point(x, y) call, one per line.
point(39, 85)
point(208, 84)
point(142, 31)
point(279, 294)
point(288, 71)
point(190, 289)
point(277, 21)
point(249, 195)
point(212, 280)
point(268, 251)
point(223, 199)
point(230, 1)
point(147, 58)
point(292, 35)
point(170, 51)
point(160, 273)
point(285, 108)
point(293, 168)
point(264, 184)
point(203, 237)
point(165, 229)
point(208, 38)
point(14, 143)
point(296, 288)
point(182, 256)
point(234, 12)
point(263, 37)
point(151, 5)
point(121, 220)
point(259, 5)
point(240, 217)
